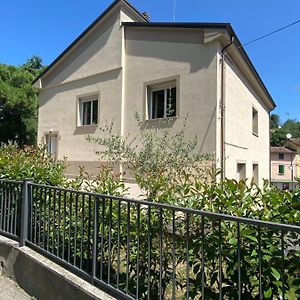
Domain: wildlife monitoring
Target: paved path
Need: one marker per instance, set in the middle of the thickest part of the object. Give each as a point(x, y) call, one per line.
point(9, 290)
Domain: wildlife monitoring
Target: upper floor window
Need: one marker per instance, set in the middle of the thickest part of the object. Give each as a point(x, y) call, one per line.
point(162, 101)
point(281, 155)
point(88, 111)
point(254, 121)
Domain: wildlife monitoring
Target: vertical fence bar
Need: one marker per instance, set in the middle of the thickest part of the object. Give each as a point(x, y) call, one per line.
point(75, 233)
point(282, 267)
point(160, 252)
point(81, 231)
point(102, 238)
point(173, 257)
point(119, 244)
point(202, 259)
point(109, 241)
point(95, 237)
point(187, 257)
point(259, 265)
point(58, 223)
point(24, 212)
point(128, 248)
point(239, 261)
point(220, 261)
point(149, 251)
point(138, 252)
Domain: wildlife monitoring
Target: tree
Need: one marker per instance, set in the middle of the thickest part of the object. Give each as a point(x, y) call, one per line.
point(274, 121)
point(278, 137)
point(18, 102)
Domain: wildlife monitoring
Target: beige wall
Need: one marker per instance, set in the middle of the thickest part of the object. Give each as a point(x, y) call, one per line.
point(93, 68)
point(241, 145)
point(155, 56)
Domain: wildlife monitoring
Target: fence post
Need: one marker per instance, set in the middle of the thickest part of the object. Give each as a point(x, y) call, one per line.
point(24, 212)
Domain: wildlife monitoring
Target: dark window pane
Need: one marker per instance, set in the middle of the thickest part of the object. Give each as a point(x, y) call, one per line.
point(281, 169)
point(158, 98)
point(86, 113)
point(281, 155)
point(95, 112)
point(171, 102)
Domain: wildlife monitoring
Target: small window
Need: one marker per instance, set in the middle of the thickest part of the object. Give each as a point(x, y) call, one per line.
point(88, 111)
point(51, 144)
point(241, 172)
point(281, 155)
point(281, 169)
point(162, 101)
point(255, 172)
point(254, 121)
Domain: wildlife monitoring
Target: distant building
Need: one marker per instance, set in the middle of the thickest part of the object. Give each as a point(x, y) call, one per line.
point(294, 144)
point(283, 168)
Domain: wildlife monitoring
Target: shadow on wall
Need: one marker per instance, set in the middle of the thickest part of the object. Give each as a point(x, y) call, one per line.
point(175, 45)
point(85, 52)
point(49, 94)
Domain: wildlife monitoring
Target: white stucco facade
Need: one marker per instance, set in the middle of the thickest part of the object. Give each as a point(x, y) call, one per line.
point(117, 63)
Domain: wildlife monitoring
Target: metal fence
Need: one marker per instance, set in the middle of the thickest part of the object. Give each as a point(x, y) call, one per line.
point(144, 250)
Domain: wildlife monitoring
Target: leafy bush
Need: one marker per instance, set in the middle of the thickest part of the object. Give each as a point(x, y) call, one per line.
point(31, 162)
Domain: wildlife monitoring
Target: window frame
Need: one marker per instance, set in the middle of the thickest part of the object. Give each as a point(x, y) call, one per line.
point(163, 86)
point(84, 99)
point(283, 169)
point(281, 156)
point(254, 121)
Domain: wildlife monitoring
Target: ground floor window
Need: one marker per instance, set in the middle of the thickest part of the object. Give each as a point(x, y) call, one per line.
point(255, 172)
point(241, 171)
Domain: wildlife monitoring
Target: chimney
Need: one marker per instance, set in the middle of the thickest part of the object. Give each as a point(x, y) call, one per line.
point(146, 15)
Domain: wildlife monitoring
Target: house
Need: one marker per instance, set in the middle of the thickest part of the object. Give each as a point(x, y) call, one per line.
point(283, 168)
point(122, 64)
point(294, 144)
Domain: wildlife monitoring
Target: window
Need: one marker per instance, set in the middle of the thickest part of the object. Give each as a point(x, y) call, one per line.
point(51, 144)
point(241, 172)
point(88, 111)
point(255, 172)
point(281, 169)
point(254, 121)
point(281, 155)
point(162, 101)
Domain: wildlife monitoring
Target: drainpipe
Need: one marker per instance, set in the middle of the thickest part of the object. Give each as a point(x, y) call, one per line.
point(222, 104)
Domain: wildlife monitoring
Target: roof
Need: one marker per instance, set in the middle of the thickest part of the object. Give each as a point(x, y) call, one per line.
point(88, 29)
point(226, 26)
point(281, 150)
point(147, 24)
point(296, 141)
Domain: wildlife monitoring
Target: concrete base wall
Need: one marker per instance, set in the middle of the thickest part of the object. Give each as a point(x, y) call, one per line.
point(41, 278)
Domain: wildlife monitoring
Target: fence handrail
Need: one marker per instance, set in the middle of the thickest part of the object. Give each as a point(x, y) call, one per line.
point(218, 216)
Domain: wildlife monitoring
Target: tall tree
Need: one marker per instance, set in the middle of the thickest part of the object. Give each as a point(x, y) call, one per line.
point(18, 102)
point(274, 121)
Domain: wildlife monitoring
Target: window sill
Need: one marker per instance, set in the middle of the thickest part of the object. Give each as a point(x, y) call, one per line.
point(161, 119)
point(255, 134)
point(159, 123)
point(281, 174)
point(85, 129)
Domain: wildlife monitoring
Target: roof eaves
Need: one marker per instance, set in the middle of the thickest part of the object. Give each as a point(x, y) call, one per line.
point(226, 26)
point(107, 10)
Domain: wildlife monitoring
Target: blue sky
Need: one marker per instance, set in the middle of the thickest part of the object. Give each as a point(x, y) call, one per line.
point(46, 28)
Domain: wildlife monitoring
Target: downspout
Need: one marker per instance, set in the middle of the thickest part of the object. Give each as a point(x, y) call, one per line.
point(222, 105)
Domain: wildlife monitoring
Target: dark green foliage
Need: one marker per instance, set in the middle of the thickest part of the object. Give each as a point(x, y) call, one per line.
point(18, 102)
point(278, 134)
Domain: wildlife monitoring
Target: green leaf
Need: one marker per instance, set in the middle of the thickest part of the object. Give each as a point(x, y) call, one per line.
point(275, 273)
point(268, 293)
point(253, 238)
point(233, 241)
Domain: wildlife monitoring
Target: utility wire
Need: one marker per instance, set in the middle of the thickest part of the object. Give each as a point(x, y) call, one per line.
point(268, 34)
